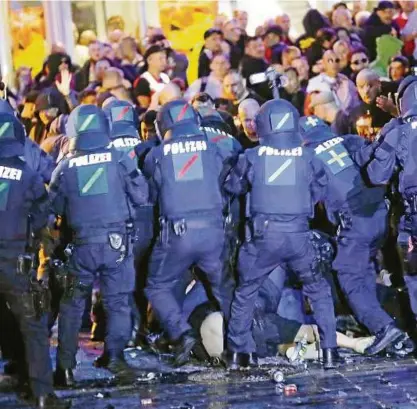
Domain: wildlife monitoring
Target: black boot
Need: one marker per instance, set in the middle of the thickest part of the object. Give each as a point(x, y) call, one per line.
point(185, 345)
point(122, 370)
point(64, 378)
point(331, 358)
point(51, 401)
point(102, 361)
point(388, 335)
point(235, 360)
point(401, 348)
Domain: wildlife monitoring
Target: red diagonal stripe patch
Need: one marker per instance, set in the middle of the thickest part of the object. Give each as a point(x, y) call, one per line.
point(182, 112)
point(218, 138)
point(187, 166)
point(122, 114)
point(132, 154)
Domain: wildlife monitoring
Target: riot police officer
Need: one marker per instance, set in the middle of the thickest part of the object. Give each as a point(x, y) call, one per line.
point(362, 228)
point(184, 173)
point(23, 198)
point(283, 182)
point(93, 189)
point(394, 153)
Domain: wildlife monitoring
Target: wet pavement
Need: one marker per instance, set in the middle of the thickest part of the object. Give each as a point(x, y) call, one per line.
point(362, 383)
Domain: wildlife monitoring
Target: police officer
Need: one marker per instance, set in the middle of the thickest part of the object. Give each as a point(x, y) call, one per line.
point(36, 158)
point(23, 196)
point(93, 190)
point(283, 182)
point(394, 153)
point(184, 173)
point(362, 228)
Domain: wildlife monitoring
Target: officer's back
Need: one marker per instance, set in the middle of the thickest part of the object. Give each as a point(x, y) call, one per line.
point(186, 167)
point(346, 181)
point(89, 186)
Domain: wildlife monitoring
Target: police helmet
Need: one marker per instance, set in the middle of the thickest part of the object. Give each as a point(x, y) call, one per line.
point(277, 118)
point(87, 128)
point(122, 118)
point(177, 116)
point(313, 129)
point(12, 134)
point(407, 95)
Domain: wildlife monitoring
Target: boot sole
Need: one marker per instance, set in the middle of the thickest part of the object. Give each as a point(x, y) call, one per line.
point(396, 337)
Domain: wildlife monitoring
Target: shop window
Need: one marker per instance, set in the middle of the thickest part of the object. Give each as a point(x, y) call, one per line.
point(27, 24)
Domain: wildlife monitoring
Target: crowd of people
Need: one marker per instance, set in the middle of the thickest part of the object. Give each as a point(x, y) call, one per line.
point(204, 216)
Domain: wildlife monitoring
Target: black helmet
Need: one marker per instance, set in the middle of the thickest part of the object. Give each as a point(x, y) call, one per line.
point(122, 118)
point(87, 128)
point(177, 116)
point(277, 118)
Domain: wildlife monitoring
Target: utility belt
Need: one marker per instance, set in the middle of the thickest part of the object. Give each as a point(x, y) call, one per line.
point(37, 300)
point(256, 227)
point(117, 241)
point(180, 226)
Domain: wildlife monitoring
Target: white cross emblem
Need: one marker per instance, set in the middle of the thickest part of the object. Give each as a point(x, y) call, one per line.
point(312, 121)
point(337, 158)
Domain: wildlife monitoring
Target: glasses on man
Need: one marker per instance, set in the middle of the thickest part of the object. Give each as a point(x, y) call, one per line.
point(333, 60)
point(361, 61)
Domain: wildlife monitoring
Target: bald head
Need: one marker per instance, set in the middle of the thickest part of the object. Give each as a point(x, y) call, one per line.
point(169, 93)
point(369, 85)
point(248, 109)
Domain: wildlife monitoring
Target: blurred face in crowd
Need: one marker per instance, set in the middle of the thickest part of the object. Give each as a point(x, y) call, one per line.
point(255, 48)
point(231, 31)
point(101, 67)
point(302, 67)
point(214, 43)
point(331, 63)
point(271, 39)
point(233, 86)
point(397, 71)
point(342, 50)
point(386, 15)
point(128, 48)
point(220, 66)
point(284, 22)
point(95, 51)
point(359, 61)
point(289, 55)
point(293, 82)
point(407, 6)
point(369, 86)
point(342, 17)
point(158, 61)
point(108, 52)
point(248, 110)
point(242, 20)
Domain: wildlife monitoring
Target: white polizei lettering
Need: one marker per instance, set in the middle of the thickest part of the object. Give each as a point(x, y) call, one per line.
point(328, 144)
point(176, 148)
point(91, 159)
point(124, 143)
point(269, 151)
point(10, 173)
